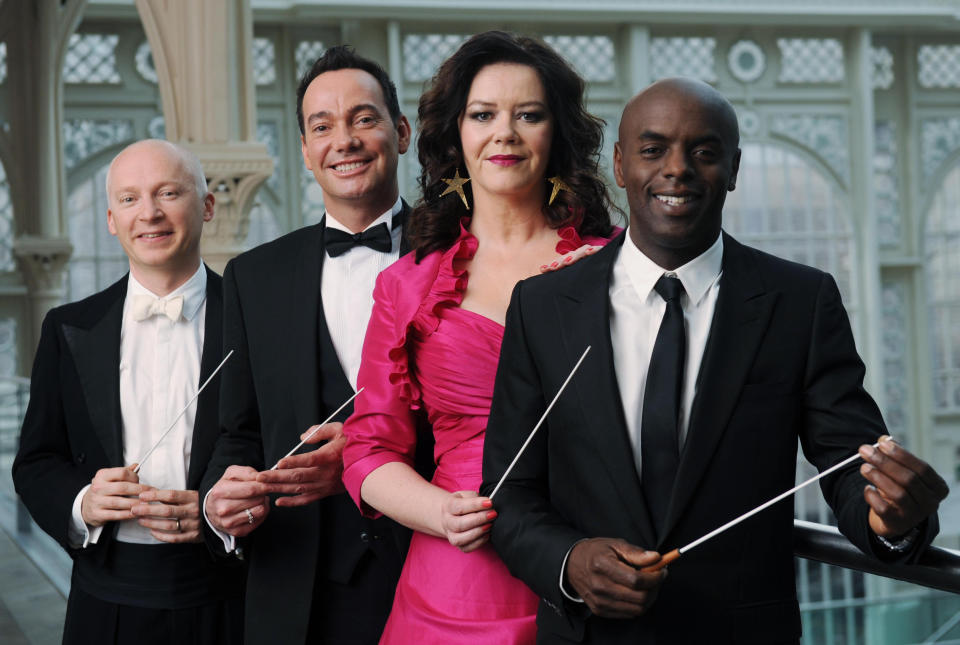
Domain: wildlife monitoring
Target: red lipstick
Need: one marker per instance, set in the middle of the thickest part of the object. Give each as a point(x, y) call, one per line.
point(505, 160)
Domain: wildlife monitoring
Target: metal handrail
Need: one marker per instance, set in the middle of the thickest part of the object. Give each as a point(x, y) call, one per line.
point(937, 568)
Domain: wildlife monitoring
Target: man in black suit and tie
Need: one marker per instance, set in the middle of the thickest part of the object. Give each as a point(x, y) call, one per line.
point(110, 375)
point(710, 359)
point(296, 311)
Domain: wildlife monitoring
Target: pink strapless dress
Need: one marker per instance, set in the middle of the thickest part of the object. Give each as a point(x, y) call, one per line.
point(423, 350)
point(445, 595)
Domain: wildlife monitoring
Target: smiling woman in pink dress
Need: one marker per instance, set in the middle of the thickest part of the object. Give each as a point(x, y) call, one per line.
point(507, 112)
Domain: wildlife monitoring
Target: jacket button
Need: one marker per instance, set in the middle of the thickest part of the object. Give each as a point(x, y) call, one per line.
point(364, 537)
point(81, 458)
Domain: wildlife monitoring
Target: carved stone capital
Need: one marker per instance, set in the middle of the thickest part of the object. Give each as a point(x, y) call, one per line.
point(42, 261)
point(235, 171)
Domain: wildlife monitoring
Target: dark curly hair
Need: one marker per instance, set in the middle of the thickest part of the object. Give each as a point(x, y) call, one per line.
point(574, 149)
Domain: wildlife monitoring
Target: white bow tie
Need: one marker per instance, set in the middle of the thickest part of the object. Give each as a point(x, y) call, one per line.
point(146, 306)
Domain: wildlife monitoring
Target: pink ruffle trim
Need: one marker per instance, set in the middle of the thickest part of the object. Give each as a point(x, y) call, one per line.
point(570, 240)
point(450, 284)
point(447, 290)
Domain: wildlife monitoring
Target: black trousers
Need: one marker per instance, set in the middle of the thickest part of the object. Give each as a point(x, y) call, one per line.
point(92, 621)
point(344, 614)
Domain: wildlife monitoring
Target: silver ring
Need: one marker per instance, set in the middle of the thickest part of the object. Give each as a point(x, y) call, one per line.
point(249, 515)
point(178, 523)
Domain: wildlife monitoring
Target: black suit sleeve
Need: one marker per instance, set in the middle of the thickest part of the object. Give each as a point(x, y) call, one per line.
point(529, 534)
point(47, 472)
point(839, 413)
point(240, 441)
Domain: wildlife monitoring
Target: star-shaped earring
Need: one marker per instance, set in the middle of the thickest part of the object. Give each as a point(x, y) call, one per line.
point(558, 185)
point(456, 185)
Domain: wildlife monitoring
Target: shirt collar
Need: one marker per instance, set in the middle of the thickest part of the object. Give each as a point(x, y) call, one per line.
point(386, 218)
point(194, 291)
point(697, 275)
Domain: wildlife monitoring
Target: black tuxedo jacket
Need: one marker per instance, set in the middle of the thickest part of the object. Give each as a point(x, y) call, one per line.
point(780, 365)
point(283, 378)
point(73, 425)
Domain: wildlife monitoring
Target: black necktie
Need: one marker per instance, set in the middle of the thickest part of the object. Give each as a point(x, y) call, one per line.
point(659, 432)
point(339, 242)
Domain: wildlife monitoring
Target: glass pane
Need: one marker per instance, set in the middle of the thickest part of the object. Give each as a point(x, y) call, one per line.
point(942, 266)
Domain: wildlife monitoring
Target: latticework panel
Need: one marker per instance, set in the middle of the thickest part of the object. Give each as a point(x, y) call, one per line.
point(689, 57)
point(91, 59)
point(810, 60)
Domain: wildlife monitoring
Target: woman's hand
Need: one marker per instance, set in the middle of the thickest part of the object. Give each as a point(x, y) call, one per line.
point(466, 519)
point(570, 258)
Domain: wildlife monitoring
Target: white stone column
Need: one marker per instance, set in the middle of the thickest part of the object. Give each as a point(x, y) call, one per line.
point(43, 263)
point(863, 202)
point(37, 36)
point(202, 52)
point(635, 61)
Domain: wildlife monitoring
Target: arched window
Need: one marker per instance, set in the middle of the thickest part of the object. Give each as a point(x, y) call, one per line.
point(98, 259)
point(942, 262)
point(787, 206)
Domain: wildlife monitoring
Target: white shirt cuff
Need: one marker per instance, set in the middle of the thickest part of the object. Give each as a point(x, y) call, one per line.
point(229, 542)
point(569, 595)
point(80, 535)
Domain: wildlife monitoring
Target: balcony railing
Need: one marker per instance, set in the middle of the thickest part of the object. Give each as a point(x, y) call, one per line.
point(937, 568)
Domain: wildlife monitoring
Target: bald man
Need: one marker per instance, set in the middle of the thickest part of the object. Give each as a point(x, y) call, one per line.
point(110, 375)
point(710, 360)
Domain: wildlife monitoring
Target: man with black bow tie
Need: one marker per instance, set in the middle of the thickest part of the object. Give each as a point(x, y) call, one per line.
point(111, 373)
point(296, 312)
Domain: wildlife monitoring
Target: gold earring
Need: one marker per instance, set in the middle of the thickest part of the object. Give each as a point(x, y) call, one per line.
point(558, 185)
point(456, 185)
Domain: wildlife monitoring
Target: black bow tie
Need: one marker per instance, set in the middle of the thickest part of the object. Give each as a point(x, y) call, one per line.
point(339, 242)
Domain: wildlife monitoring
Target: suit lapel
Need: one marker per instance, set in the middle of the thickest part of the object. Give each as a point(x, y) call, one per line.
point(740, 320)
point(206, 424)
point(595, 384)
point(96, 356)
point(404, 215)
point(306, 316)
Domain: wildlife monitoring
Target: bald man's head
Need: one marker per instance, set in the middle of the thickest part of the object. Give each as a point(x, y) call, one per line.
point(677, 158)
point(158, 202)
point(191, 164)
point(688, 91)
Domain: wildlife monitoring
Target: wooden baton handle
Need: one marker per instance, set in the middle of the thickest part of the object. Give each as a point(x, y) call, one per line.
point(664, 561)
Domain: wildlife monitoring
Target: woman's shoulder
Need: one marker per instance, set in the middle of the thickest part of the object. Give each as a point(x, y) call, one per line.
point(408, 272)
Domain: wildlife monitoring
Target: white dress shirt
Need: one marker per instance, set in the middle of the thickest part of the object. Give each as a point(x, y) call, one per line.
point(159, 374)
point(636, 311)
point(346, 291)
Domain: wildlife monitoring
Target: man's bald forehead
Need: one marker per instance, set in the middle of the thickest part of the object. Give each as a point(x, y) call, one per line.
point(686, 90)
point(189, 161)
